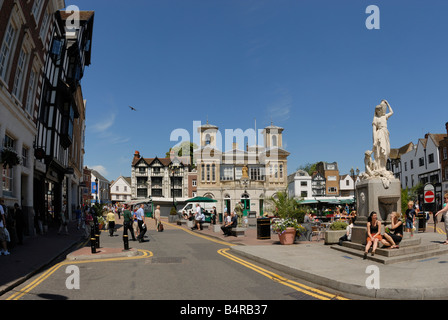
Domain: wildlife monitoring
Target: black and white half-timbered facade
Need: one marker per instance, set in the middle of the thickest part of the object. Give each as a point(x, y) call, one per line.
point(68, 54)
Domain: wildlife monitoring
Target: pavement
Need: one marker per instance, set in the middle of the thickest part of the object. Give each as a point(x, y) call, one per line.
point(312, 261)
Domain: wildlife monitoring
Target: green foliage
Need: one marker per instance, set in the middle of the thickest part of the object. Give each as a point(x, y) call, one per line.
point(173, 211)
point(338, 225)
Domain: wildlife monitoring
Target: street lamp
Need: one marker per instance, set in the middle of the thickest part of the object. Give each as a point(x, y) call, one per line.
point(174, 167)
point(96, 190)
point(352, 173)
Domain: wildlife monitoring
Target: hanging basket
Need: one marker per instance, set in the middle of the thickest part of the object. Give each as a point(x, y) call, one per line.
point(9, 158)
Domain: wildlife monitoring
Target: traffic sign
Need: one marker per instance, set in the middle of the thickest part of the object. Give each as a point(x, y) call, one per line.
point(429, 196)
point(428, 193)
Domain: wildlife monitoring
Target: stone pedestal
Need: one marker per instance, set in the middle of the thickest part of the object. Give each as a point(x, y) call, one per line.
point(371, 196)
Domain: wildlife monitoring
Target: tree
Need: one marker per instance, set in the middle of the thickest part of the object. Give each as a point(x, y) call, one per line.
point(185, 149)
point(308, 167)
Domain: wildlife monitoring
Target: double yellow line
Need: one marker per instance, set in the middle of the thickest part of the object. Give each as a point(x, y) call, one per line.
point(313, 292)
point(49, 272)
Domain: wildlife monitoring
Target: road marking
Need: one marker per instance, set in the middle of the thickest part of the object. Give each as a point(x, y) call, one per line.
point(313, 292)
point(203, 236)
point(49, 272)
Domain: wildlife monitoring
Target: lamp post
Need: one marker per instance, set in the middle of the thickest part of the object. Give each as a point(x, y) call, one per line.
point(174, 167)
point(352, 173)
point(96, 190)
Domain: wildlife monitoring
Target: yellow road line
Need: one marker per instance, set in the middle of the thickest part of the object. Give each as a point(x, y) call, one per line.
point(316, 293)
point(202, 236)
point(49, 272)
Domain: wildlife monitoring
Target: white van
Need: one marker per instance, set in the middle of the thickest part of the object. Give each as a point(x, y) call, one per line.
point(191, 207)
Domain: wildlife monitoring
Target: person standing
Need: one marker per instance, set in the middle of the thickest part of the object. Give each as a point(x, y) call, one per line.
point(140, 214)
point(410, 218)
point(444, 212)
point(239, 212)
point(88, 223)
point(128, 220)
point(157, 217)
point(110, 218)
point(3, 231)
point(19, 221)
point(63, 220)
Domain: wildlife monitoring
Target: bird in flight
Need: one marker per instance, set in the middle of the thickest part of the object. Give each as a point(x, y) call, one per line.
point(133, 109)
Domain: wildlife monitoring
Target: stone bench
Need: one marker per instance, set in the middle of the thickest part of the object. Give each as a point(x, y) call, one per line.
point(238, 232)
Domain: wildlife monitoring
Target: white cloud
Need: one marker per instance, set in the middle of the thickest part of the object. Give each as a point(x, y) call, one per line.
point(105, 124)
point(101, 169)
point(280, 109)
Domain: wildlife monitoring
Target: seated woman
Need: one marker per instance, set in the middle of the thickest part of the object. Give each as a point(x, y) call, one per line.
point(393, 237)
point(373, 233)
point(348, 234)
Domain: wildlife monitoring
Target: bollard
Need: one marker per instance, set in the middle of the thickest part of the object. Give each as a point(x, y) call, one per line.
point(93, 244)
point(126, 242)
point(97, 237)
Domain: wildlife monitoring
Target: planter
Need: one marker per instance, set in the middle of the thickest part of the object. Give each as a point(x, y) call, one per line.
point(172, 218)
point(332, 236)
point(288, 236)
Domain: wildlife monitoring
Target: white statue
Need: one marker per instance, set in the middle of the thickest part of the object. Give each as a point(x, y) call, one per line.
point(381, 146)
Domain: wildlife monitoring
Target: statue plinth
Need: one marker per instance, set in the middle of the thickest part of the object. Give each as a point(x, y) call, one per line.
point(372, 195)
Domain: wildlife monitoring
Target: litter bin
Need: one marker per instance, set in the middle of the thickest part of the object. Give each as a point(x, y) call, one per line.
point(421, 225)
point(263, 228)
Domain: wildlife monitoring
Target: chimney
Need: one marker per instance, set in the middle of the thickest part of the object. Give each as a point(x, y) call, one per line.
point(136, 155)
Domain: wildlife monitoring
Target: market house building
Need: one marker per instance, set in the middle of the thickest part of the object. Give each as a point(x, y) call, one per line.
point(251, 174)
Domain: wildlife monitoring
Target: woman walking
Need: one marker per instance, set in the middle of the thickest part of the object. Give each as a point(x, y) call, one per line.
point(444, 213)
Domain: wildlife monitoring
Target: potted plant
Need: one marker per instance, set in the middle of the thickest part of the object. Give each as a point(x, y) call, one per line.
point(287, 230)
point(173, 214)
point(336, 230)
point(288, 213)
point(9, 158)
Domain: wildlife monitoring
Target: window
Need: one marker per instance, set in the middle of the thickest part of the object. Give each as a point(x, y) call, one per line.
point(43, 27)
point(18, 81)
point(30, 97)
point(446, 173)
point(281, 171)
point(24, 157)
point(117, 188)
point(274, 141)
point(347, 183)
point(412, 164)
point(303, 183)
point(226, 173)
point(213, 172)
point(35, 10)
point(6, 49)
point(304, 194)
point(421, 162)
point(331, 189)
point(208, 172)
point(256, 173)
point(194, 182)
point(203, 172)
point(125, 188)
point(431, 158)
point(445, 153)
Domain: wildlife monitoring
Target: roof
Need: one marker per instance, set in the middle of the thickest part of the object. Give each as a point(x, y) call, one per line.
point(83, 15)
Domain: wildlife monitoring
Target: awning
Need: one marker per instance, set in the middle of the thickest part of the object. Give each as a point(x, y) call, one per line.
point(201, 199)
point(308, 201)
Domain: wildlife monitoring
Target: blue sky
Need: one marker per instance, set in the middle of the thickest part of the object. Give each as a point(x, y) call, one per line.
point(311, 67)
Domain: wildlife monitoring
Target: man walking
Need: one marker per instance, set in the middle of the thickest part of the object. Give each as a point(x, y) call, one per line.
point(3, 236)
point(127, 222)
point(141, 223)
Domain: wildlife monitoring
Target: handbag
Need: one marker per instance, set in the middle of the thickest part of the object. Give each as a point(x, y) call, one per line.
point(7, 236)
point(160, 227)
